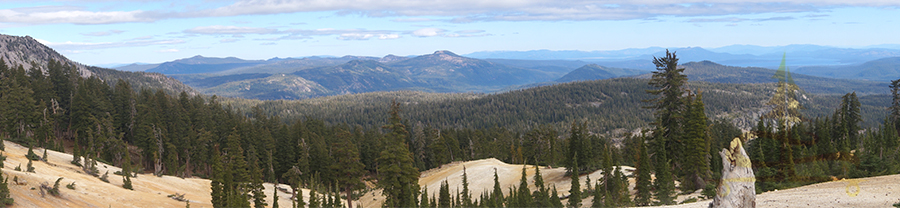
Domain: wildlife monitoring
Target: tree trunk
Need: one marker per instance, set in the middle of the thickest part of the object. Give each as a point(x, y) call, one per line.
point(737, 188)
point(349, 197)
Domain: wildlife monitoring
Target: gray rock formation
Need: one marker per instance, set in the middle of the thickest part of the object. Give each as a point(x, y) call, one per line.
point(737, 188)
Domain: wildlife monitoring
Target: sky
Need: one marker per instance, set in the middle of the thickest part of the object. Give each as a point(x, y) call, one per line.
point(104, 32)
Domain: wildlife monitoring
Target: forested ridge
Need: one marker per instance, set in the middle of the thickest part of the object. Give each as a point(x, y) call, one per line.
point(332, 144)
point(606, 105)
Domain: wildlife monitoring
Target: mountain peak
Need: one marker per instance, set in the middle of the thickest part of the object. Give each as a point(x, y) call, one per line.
point(28, 52)
point(445, 52)
point(391, 58)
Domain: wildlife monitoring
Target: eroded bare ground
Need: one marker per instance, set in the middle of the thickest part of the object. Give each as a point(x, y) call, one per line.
point(151, 191)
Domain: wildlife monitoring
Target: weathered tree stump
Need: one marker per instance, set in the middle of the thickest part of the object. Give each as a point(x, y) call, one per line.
point(737, 188)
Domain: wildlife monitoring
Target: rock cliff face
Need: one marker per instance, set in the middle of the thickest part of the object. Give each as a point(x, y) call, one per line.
point(28, 52)
point(737, 188)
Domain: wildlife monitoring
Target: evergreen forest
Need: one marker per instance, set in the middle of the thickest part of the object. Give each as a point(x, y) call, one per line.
point(343, 147)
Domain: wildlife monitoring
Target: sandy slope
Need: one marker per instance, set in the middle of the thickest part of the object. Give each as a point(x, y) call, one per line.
point(881, 191)
point(151, 191)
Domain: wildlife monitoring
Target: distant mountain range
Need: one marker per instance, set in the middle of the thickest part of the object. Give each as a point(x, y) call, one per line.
point(444, 71)
point(734, 55)
point(885, 69)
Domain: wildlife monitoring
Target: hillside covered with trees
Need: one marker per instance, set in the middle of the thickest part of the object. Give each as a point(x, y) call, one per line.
point(332, 144)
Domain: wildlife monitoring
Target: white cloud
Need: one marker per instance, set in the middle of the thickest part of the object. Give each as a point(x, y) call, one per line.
point(428, 32)
point(171, 50)
point(469, 31)
point(103, 33)
point(437, 32)
point(413, 19)
point(235, 30)
point(388, 36)
point(73, 15)
point(535, 10)
point(71, 46)
point(355, 36)
point(437, 10)
point(228, 40)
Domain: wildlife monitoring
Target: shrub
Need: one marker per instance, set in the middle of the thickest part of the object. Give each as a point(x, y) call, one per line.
point(709, 191)
point(126, 183)
point(30, 167)
point(55, 190)
point(71, 185)
point(31, 155)
point(105, 177)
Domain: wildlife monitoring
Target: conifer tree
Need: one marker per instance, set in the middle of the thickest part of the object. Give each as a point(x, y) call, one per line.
point(423, 201)
point(668, 110)
point(216, 181)
point(444, 196)
point(496, 197)
point(275, 196)
point(466, 196)
point(575, 190)
point(554, 198)
point(523, 195)
point(642, 182)
point(665, 186)
point(313, 198)
point(599, 193)
point(5, 198)
point(696, 165)
point(30, 167)
point(541, 195)
point(347, 166)
point(397, 176)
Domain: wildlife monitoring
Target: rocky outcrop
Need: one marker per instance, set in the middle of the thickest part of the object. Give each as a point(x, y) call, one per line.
point(28, 52)
point(737, 188)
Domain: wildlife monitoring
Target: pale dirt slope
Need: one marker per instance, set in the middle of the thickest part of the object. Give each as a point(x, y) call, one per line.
point(149, 190)
point(881, 191)
point(873, 192)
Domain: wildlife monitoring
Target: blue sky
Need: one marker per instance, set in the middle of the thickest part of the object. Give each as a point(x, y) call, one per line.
point(100, 32)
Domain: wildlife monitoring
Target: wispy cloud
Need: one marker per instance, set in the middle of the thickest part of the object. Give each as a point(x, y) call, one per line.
point(77, 46)
point(171, 50)
point(103, 33)
point(735, 19)
point(437, 32)
point(73, 15)
point(413, 19)
point(428, 32)
point(229, 30)
point(440, 10)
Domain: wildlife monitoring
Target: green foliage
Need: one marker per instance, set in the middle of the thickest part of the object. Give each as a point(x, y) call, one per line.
point(397, 176)
point(5, 197)
point(105, 177)
point(30, 167)
point(31, 156)
point(126, 182)
point(574, 190)
point(55, 190)
point(696, 170)
point(71, 185)
point(642, 171)
point(444, 195)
